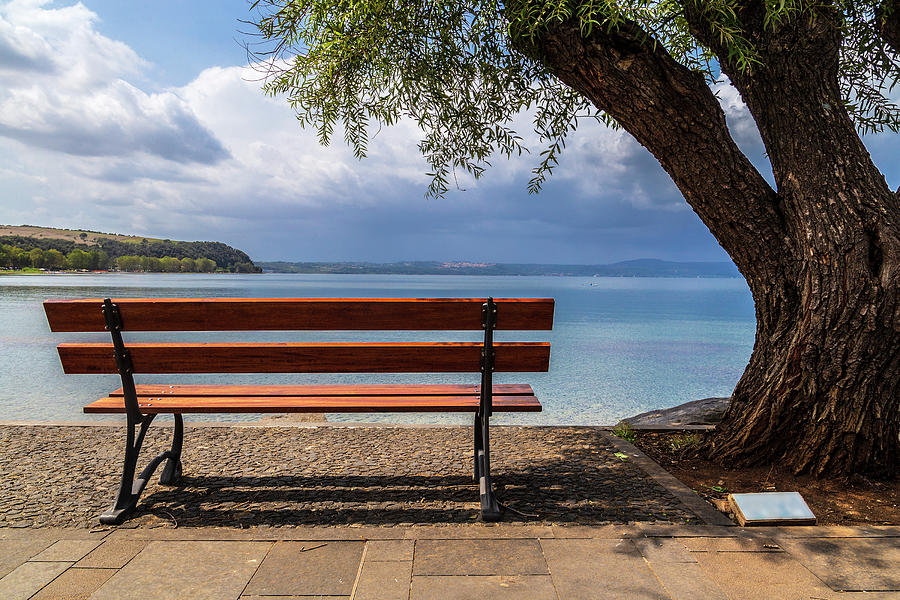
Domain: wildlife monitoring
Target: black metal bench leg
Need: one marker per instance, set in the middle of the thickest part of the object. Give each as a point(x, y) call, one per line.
point(126, 498)
point(479, 446)
point(131, 488)
point(172, 471)
point(490, 508)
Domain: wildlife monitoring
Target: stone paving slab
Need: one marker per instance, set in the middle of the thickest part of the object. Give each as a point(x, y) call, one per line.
point(664, 550)
point(840, 531)
point(28, 578)
point(599, 569)
point(733, 544)
point(479, 557)
point(389, 550)
point(850, 563)
point(295, 598)
point(166, 570)
point(75, 584)
point(687, 581)
point(51, 533)
point(678, 531)
point(677, 569)
point(375, 476)
point(383, 580)
point(610, 532)
point(308, 569)
point(112, 554)
point(15, 552)
point(492, 587)
point(67, 550)
point(751, 575)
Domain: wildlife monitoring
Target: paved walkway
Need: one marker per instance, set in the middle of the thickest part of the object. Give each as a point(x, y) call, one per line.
point(452, 562)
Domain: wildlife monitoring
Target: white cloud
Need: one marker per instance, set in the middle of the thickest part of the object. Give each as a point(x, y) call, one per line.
point(66, 37)
point(274, 158)
point(23, 50)
point(66, 91)
point(602, 162)
point(740, 121)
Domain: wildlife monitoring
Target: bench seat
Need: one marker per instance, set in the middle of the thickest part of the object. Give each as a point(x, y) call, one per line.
point(164, 399)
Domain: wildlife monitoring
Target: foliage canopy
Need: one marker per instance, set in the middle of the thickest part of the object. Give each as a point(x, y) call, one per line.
point(465, 70)
point(108, 250)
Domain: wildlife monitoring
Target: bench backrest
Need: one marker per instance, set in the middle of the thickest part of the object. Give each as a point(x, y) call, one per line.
point(288, 314)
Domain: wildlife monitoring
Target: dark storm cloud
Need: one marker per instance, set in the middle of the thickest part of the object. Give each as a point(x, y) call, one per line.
point(130, 171)
point(181, 138)
point(501, 224)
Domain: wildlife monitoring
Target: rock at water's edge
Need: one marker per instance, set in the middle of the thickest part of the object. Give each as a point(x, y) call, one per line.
point(707, 411)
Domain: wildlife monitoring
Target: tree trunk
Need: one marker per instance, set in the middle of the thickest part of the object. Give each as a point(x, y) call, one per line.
point(822, 391)
point(887, 23)
point(821, 255)
point(820, 394)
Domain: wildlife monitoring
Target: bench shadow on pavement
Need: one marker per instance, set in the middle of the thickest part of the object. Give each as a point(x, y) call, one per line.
point(547, 493)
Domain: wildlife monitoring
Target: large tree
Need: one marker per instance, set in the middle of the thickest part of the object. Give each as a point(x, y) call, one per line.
point(820, 251)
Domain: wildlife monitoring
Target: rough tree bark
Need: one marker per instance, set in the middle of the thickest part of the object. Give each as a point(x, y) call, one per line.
point(888, 23)
point(821, 254)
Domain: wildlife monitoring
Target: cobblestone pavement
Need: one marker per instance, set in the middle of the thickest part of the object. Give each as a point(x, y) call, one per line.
point(283, 476)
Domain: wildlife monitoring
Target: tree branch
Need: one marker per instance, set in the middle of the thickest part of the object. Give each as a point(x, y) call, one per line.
point(672, 112)
point(793, 92)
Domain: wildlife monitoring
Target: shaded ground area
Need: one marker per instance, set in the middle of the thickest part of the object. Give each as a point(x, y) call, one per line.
point(857, 501)
point(241, 476)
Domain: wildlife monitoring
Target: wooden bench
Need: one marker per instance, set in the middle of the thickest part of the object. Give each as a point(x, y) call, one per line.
point(141, 403)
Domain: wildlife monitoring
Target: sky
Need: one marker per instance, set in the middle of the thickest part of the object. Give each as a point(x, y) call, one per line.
point(144, 118)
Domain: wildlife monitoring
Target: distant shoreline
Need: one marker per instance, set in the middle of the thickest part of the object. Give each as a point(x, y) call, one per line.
point(632, 268)
point(387, 273)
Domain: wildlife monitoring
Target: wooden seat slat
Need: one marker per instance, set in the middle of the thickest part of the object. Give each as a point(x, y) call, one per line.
point(313, 404)
point(300, 314)
point(422, 357)
point(326, 390)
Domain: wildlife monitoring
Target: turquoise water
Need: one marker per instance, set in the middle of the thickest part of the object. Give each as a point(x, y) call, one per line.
point(620, 346)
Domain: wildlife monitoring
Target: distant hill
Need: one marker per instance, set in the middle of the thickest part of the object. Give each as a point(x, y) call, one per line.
point(115, 245)
point(645, 267)
point(79, 236)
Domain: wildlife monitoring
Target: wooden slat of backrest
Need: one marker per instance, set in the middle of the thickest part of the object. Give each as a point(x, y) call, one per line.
point(268, 391)
point(451, 357)
point(300, 314)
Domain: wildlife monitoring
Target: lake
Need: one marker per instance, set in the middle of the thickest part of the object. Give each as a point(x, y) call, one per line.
point(620, 346)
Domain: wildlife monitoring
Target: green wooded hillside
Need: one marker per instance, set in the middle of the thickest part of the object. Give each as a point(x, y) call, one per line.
point(91, 250)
